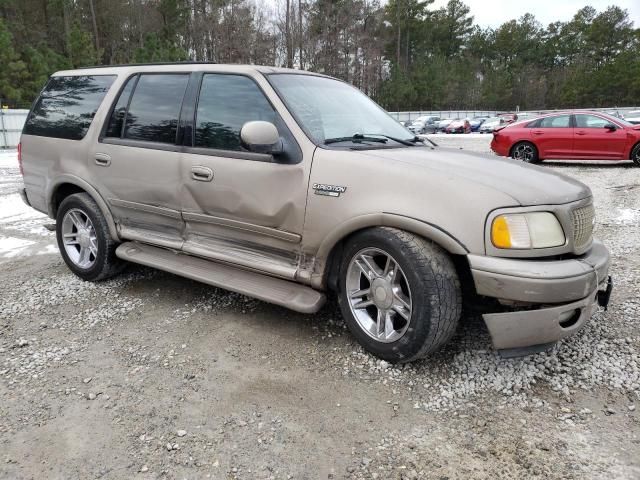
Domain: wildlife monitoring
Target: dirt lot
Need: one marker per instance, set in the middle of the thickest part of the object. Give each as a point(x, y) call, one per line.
point(153, 376)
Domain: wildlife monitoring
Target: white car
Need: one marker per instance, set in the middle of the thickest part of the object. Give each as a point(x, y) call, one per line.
point(490, 124)
point(633, 117)
point(424, 124)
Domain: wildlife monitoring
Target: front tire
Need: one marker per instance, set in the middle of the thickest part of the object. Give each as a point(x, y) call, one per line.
point(84, 240)
point(399, 294)
point(635, 154)
point(526, 152)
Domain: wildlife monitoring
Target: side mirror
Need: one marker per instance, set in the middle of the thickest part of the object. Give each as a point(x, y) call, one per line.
point(611, 126)
point(261, 137)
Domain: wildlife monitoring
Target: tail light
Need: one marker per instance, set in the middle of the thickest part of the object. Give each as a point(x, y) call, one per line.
point(20, 158)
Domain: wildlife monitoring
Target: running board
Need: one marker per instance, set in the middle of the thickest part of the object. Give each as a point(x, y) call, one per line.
point(263, 287)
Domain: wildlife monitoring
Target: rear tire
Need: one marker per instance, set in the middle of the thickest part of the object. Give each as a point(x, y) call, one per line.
point(399, 294)
point(635, 154)
point(525, 152)
point(84, 240)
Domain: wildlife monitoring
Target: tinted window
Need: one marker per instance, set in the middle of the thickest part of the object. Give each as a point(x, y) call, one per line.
point(155, 108)
point(591, 121)
point(226, 103)
point(67, 106)
point(561, 121)
point(114, 129)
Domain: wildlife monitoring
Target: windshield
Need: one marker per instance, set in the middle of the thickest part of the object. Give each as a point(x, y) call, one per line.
point(330, 109)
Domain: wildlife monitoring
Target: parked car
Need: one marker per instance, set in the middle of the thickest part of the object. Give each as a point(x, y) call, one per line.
point(508, 118)
point(569, 135)
point(458, 126)
point(476, 123)
point(287, 186)
point(442, 124)
point(424, 124)
point(633, 117)
point(490, 124)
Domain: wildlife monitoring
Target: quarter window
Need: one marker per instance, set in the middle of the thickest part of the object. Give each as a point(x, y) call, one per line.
point(67, 106)
point(225, 104)
point(591, 121)
point(155, 108)
point(561, 121)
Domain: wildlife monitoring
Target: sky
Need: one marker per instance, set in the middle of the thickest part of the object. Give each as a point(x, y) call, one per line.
point(492, 13)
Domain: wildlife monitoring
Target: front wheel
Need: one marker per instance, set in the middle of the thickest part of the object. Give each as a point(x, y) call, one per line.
point(526, 152)
point(84, 240)
point(399, 294)
point(635, 155)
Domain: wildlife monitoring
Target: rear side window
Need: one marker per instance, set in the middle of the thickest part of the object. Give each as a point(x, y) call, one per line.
point(151, 114)
point(561, 121)
point(154, 108)
point(225, 104)
point(67, 106)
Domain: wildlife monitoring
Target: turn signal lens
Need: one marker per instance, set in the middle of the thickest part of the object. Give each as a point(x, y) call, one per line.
point(527, 230)
point(500, 233)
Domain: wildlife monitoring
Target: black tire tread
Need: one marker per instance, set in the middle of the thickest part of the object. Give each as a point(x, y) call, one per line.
point(635, 154)
point(446, 312)
point(435, 271)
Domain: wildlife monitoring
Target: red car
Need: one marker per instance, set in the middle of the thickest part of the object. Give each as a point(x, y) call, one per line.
point(458, 126)
point(569, 135)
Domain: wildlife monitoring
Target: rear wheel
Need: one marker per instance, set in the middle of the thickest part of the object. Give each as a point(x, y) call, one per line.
point(525, 151)
point(84, 240)
point(635, 154)
point(399, 294)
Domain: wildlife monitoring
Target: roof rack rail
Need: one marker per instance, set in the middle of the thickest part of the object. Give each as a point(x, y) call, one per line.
point(150, 64)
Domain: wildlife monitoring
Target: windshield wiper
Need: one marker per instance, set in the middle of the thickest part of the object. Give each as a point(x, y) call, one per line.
point(408, 143)
point(356, 138)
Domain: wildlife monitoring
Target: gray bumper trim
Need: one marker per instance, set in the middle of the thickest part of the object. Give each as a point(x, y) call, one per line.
point(23, 195)
point(541, 281)
point(534, 327)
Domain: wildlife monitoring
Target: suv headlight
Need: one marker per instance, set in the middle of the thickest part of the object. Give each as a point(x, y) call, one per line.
point(527, 230)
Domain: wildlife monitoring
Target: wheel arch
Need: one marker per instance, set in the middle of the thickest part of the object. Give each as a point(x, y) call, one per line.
point(66, 185)
point(330, 250)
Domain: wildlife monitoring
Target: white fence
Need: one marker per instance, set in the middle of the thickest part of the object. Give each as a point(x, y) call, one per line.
point(11, 123)
point(407, 116)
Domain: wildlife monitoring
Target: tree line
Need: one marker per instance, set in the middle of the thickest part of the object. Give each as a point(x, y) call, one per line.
point(406, 54)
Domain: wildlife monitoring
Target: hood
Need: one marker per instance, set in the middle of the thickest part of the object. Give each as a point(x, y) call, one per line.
point(526, 184)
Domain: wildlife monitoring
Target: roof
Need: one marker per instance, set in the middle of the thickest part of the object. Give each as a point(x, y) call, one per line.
point(179, 67)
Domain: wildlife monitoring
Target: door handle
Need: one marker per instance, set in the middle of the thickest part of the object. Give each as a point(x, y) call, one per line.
point(102, 159)
point(581, 133)
point(538, 132)
point(201, 174)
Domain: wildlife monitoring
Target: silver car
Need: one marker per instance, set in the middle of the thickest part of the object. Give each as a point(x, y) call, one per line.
point(290, 186)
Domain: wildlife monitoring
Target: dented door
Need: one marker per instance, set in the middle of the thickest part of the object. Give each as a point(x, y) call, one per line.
point(238, 206)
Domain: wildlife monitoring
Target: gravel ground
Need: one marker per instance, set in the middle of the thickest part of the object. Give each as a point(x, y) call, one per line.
point(153, 376)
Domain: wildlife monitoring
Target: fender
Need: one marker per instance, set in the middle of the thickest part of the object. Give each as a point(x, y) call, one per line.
point(421, 228)
point(78, 182)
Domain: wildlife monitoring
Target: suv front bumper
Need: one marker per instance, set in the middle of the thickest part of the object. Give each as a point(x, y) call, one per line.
point(552, 298)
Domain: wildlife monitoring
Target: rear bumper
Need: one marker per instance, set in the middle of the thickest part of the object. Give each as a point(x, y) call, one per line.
point(23, 195)
point(554, 298)
point(499, 148)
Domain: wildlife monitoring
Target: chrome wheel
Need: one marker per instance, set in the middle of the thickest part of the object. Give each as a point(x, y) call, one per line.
point(79, 238)
point(378, 295)
point(524, 152)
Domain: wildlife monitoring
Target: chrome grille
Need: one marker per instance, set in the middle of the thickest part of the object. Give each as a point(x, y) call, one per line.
point(583, 220)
